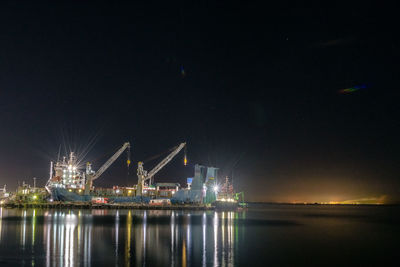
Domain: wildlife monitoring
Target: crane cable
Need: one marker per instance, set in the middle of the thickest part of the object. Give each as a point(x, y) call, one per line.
point(159, 155)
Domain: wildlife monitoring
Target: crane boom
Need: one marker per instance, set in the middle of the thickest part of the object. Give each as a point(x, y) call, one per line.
point(144, 176)
point(110, 161)
point(165, 161)
point(91, 175)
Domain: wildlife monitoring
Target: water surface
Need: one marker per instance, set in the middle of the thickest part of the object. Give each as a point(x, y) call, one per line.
point(265, 235)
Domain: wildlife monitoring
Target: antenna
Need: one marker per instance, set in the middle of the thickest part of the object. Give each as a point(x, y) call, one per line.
point(232, 176)
point(59, 151)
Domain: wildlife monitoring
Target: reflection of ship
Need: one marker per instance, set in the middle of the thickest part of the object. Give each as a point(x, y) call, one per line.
point(131, 238)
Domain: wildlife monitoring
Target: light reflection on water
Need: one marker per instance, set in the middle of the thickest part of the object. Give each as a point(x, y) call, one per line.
point(117, 237)
point(266, 235)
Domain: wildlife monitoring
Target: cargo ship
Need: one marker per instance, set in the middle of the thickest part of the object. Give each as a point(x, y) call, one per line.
point(226, 199)
point(68, 182)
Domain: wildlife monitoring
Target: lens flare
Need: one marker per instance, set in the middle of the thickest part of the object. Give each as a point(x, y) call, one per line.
point(352, 89)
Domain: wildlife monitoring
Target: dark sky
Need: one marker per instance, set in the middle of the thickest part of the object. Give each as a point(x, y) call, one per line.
point(252, 89)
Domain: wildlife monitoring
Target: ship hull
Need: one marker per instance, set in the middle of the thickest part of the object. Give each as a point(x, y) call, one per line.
point(62, 194)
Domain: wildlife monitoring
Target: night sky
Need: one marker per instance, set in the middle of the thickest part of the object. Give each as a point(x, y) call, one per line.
point(253, 89)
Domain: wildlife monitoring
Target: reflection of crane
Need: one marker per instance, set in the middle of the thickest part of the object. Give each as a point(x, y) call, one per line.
point(92, 175)
point(143, 175)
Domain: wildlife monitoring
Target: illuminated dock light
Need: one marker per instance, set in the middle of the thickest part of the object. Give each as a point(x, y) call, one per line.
point(216, 188)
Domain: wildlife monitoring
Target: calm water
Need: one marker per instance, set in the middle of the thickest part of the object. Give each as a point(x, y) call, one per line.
point(265, 235)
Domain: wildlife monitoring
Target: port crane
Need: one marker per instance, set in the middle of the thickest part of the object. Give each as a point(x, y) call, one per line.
point(92, 175)
point(144, 176)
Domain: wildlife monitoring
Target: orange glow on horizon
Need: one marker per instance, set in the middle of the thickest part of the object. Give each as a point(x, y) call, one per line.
point(360, 201)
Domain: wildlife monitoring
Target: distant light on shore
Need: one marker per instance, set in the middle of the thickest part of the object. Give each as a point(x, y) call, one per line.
point(360, 201)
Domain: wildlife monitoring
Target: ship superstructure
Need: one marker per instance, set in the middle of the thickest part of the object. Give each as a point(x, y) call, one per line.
point(66, 174)
point(226, 193)
point(226, 198)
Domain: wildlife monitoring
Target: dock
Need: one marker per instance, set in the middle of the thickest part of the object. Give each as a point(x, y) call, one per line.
point(88, 205)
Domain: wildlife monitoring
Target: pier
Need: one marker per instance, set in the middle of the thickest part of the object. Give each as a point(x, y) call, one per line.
point(88, 205)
